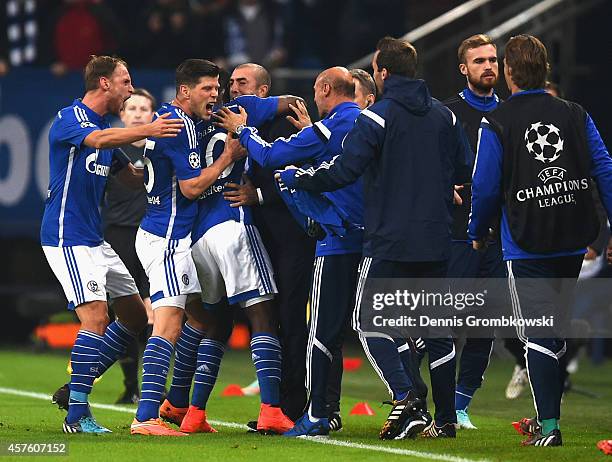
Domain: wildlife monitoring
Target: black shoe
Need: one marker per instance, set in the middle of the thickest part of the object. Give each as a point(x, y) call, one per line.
point(406, 419)
point(447, 430)
point(129, 397)
point(552, 439)
point(335, 422)
point(61, 397)
point(252, 424)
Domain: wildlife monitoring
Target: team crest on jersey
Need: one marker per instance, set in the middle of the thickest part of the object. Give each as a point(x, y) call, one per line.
point(93, 286)
point(194, 160)
point(185, 279)
point(544, 142)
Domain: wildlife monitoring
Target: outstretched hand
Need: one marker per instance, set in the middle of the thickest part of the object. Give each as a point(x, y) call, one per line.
point(302, 118)
point(241, 194)
point(225, 118)
point(234, 149)
point(162, 127)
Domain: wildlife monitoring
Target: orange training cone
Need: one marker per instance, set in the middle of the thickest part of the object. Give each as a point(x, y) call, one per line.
point(362, 409)
point(232, 390)
point(352, 364)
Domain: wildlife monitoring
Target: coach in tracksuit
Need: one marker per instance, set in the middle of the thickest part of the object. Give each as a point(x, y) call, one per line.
point(410, 150)
point(336, 258)
point(535, 158)
point(478, 62)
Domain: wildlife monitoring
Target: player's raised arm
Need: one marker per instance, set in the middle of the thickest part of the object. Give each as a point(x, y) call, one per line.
point(162, 127)
point(286, 101)
point(193, 187)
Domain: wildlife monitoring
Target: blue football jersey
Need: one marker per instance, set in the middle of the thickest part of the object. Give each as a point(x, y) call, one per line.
point(77, 178)
point(167, 160)
point(212, 207)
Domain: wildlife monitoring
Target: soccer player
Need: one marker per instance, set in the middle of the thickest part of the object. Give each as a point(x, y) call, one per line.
point(233, 268)
point(81, 148)
point(123, 209)
point(290, 249)
point(173, 180)
point(415, 243)
point(335, 268)
point(478, 63)
point(536, 155)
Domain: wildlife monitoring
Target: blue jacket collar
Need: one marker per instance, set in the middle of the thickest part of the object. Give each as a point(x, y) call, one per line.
point(481, 103)
point(528, 92)
point(412, 94)
point(340, 107)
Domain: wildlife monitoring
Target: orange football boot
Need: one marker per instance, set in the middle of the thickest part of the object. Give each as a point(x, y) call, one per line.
point(195, 421)
point(273, 420)
point(153, 427)
point(605, 446)
point(172, 414)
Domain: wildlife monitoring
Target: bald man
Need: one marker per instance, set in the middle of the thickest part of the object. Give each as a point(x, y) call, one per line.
point(336, 257)
point(290, 249)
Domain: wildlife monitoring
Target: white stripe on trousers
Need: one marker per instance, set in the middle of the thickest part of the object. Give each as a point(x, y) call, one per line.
point(516, 310)
point(315, 296)
point(363, 275)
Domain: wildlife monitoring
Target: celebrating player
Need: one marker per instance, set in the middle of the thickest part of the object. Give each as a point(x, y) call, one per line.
point(233, 268)
point(173, 180)
point(335, 270)
point(81, 146)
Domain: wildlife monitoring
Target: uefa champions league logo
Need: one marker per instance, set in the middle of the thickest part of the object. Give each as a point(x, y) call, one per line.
point(194, 160)
point(544, 142)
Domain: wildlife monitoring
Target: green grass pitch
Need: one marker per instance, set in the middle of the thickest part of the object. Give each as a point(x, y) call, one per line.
point(32, 419)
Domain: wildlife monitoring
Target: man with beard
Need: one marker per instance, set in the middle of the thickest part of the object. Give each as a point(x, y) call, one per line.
point(81, 150)
point(547, 220)
point(478, 63)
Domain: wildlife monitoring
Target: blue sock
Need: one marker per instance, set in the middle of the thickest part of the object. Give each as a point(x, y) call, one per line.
point(186, 354)
point(210, 354)
point(463, 397)
point(155, 363)
point(114, 344)
point(266, 355)
point(84, 361)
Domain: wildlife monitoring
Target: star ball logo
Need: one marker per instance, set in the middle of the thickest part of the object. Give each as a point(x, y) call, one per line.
point(194, 160)
point(544, 142)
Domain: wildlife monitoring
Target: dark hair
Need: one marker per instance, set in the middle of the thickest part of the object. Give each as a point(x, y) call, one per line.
point(365, 80)
point(262, 76)
point(528, 59)
point(146, 94)
point(475, 41)
point(397, 56)
point(190, 71)
point(100, 66)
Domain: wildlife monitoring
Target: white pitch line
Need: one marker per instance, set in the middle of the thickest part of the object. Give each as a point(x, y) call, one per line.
point(220, 423)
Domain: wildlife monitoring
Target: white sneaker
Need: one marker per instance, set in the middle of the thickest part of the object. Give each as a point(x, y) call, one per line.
point(517, 383)
point(463, 421)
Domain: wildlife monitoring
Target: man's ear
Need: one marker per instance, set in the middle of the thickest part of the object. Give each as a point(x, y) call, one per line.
point(104, 83)
point(384, 73)
point(370, 99)
point(263, 91)
point(463, 69)
point(184, 91)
